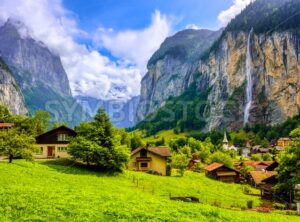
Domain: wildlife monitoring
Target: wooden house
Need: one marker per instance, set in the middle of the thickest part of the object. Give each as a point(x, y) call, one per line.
point(256, 178)
point(257, 165)
point(260, 150)
point(220, 172)
point(267, 184)
point(283, 142)
point(148, 159)
point(54, 144)
point(6, 126)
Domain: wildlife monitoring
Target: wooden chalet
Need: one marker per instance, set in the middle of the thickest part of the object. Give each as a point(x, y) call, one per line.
point(266, 187)
point(257, 165)
point(283, 142)
point(256, 178)
point(147, 159)
point(260, 150)
point(4, 126)
point(221, 172)
point(54, 144)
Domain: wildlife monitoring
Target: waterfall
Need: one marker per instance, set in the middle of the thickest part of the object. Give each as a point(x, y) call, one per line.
point(249, 80)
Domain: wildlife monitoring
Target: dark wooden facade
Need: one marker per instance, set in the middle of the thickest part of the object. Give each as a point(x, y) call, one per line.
point(223, 173)
point(59, 135)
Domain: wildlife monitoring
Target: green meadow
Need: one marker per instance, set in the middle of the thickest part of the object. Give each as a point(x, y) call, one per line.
point(62, 191)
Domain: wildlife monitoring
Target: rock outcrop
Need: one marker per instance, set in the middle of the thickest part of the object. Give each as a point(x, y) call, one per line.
point(171, 68)
point(275, 73)
point(10, 94)
point(275, 70)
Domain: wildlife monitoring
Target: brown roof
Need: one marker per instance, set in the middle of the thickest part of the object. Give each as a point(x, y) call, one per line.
point(6, 125)
point(255, 163)
point(161, 151)
point(213, 166)
point(259, 176)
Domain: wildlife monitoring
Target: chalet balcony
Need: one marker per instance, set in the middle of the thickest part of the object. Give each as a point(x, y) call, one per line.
point(145, 159)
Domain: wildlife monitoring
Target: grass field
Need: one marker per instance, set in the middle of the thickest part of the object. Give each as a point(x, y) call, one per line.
point(58, 191)
point(166, 134)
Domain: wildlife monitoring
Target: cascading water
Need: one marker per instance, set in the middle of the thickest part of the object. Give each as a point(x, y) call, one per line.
point(249, 80)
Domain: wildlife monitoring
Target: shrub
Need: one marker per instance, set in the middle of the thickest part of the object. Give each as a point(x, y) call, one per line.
point(279, 206)
point(250, 204)
point(247, 190)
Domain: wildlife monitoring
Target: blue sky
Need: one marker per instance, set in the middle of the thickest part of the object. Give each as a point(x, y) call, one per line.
point(105, 44)
point(136, 14)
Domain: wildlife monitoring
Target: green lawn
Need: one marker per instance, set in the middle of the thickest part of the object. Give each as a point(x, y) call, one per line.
point(48, 191)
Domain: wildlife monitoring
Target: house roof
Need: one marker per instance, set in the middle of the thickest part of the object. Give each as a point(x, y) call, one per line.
point(285, 139)
point(259, 176)
point(256, 163)
point(160, 151)
point(6, 125)
point(57, 129)
point(213, 166)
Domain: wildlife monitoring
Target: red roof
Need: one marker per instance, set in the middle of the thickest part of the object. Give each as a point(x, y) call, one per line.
point(213, 166)
point(160, 151)
point(6, 125)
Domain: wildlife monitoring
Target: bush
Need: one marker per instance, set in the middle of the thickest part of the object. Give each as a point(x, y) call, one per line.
point(279, 206)
point(250, 204)
point(198, 167)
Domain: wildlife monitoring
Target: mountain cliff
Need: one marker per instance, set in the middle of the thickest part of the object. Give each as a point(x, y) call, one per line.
point(170, 69)
point(10, 94)
point(39, 74)
point(263, 63)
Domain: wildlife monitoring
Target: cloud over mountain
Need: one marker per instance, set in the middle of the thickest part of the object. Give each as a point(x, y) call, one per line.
point(228, 14)
point(90, 73)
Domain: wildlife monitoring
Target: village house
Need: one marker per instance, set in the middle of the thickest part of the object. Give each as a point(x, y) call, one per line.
point(256, 178)
point(221, 172)
point(54, 144)
point(148, 159)
point(283, 142)
point(257, 165)
point(266, 187)
point(4, 126)
point(260, 150)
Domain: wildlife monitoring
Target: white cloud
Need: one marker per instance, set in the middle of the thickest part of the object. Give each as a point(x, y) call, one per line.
point(89, 72)
point(226, 16)
point(135, 46)
point(193, 26)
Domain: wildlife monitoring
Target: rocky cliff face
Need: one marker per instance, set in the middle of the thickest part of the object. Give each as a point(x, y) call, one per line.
point(272, 52)
point(275, 73)
point(39, 74)
point(31, 62)
point(10, 94)
point(171, 68)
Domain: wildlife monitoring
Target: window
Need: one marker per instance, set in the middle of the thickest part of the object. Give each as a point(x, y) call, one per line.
point(40, 151)
point(62, 137)
point(143, 153)
point(144, 165)
point(62, 149)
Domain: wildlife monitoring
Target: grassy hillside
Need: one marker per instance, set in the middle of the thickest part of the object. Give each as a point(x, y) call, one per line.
point(53, 192)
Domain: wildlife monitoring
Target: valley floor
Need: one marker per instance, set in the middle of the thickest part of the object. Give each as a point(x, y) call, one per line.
point(60, 191)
